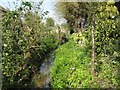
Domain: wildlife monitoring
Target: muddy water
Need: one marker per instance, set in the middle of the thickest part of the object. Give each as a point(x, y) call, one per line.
point(42, 78)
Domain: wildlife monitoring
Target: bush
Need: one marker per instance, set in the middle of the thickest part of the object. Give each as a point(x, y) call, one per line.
point(25, 46)
point(72, 69)
point(71, 66)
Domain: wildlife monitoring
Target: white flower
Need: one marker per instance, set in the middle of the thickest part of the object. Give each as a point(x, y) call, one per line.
point(113, 16)
point(72, 68)
point(5, 45)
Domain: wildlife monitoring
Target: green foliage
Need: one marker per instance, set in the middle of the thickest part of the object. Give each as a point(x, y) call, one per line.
point(73, 12)
point(79, 39)
point(72, 61)
point(71, 67)
point(25, 44)
point(27, 40)
point(107, 72)
point(50, 22)
point(107, 29)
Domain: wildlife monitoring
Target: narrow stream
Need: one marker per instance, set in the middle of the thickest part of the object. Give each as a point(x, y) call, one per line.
point(42, 79)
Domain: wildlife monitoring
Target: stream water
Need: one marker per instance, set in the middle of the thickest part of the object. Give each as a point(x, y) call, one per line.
point(42, 79)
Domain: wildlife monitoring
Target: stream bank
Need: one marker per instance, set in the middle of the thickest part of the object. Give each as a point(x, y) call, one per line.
point(42, 79)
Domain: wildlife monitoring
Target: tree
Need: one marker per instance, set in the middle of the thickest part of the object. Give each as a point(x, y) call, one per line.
point(79, 14)
point(24, 45)
point(102, 34)
point(75, 14)
point(50, 22)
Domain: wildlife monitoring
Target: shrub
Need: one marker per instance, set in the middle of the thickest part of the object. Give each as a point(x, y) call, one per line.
point(71, 66)
point(72, 69)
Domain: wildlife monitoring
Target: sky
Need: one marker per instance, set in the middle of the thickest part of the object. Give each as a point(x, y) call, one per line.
point(48, 5)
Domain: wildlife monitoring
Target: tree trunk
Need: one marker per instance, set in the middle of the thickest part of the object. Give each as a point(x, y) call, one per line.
point(59, 37)
point(93, 53)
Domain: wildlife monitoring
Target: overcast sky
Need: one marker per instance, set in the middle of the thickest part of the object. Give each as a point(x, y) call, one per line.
point(48, 5)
